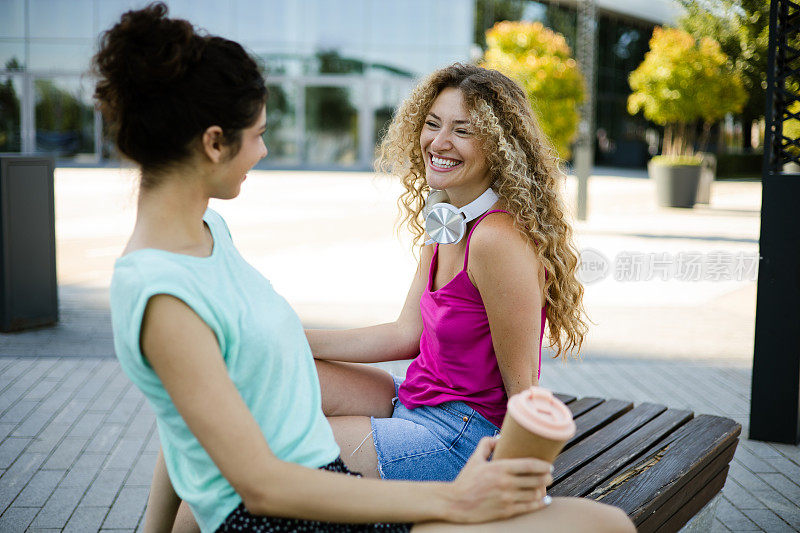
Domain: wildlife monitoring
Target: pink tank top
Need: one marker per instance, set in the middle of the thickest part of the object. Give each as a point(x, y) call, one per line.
point(456, 360)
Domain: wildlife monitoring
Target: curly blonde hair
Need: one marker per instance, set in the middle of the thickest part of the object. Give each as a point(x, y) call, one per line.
point(525, 174)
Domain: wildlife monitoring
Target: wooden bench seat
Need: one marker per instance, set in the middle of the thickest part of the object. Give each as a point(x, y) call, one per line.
point(660, 465)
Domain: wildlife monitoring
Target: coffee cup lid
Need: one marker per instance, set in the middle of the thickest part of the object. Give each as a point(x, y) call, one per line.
point(540, 412)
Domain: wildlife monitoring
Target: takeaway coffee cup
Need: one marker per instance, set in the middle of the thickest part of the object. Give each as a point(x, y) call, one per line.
point(537, 424)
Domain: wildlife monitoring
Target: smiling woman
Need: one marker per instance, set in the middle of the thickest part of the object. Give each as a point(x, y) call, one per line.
point(475, 315)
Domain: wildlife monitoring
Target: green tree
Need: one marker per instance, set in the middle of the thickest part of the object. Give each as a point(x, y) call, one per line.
point(280, 117)
point(541, 62)
point(563, 20)
point(59, 111)
point(56, 109)
point(328, 108)
point(741, 27)
point(681, 81)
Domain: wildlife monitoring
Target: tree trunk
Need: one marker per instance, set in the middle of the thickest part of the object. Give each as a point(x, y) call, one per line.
point(666, 148)
point(691, 139)
point(682, 139)
point(706, 134)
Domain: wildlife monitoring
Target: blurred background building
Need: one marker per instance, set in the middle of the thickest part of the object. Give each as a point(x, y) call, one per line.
point(336, 68)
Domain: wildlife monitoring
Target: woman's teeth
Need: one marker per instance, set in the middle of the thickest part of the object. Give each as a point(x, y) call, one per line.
point(443, 163)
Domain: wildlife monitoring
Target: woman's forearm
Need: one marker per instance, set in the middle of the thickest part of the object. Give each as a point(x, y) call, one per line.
point(373, 344)
point(327, 496)
point(484, 490)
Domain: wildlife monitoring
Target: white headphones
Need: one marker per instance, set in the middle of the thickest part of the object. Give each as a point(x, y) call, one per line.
point(446, 223)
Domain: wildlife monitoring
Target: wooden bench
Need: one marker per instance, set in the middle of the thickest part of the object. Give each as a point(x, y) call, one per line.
point(660, 465)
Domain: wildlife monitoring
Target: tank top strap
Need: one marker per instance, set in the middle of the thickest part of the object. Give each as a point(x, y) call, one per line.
point(433, 264)
point(466, 253)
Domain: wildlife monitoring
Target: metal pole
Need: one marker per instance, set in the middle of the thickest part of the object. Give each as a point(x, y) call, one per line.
point(586, 55)
point(775, 394)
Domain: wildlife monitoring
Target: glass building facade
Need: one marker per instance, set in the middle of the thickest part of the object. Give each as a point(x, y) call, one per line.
point(336, 69)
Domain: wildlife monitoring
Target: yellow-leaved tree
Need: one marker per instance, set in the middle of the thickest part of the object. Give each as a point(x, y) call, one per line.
point(540, 60)
point(683, 80)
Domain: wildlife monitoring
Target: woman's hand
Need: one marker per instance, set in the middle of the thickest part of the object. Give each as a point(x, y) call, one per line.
point(499, 489)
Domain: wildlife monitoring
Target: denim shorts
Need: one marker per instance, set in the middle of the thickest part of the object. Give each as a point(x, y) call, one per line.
point(429, 443)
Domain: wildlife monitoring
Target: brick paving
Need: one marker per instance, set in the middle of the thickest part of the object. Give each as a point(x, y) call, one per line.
point(78, 441)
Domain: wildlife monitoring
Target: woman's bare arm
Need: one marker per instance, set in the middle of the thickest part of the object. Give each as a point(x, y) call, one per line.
point(184, 353)
point(385, 342)
point(506, 271)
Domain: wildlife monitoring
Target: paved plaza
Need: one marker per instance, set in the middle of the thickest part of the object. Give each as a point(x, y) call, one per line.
point(671, 293)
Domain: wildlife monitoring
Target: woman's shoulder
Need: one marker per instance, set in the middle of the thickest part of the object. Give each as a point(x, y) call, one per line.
point(144, 268)
point(497, 218)
point(498, 239)
point(496, 232)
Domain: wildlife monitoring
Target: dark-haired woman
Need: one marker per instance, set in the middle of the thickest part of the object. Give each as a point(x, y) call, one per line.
point(221, 357)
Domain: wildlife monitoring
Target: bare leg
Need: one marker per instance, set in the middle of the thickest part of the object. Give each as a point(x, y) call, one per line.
point(165, 511)
point(353, 434)
point(162, 503)
point(575, 515)
point(351, 393)
point(355, 389)
point(184, 522)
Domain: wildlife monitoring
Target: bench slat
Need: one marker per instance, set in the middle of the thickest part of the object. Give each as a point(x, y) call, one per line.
point(566, 398)
point(603, 439)
point(579, 407)
point(584, 480)
point(693, 506)
point(596, 418)
point(669, 466)
point(694, 494)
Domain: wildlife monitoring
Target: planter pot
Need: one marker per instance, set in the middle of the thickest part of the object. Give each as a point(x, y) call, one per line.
point(676, 185)
point(791, 168)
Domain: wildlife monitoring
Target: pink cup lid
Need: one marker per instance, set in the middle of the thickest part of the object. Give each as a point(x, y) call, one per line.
point(538, 411)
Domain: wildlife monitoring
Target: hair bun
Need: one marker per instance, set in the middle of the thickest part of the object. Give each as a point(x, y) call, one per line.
point(144, 53)
point(161, 85)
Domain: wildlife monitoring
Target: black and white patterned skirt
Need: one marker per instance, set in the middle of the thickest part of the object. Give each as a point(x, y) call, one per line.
point(241, 520)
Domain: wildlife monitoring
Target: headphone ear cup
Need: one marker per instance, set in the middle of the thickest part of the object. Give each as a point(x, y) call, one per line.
point(434, 197)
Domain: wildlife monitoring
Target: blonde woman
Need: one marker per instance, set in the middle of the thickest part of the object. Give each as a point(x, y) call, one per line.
point(475, 314)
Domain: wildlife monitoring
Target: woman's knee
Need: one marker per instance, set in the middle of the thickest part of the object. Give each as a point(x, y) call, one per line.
point(581, 515)
point(615, 520)
point(352, 389)
point(599, 517)
point(576, 515)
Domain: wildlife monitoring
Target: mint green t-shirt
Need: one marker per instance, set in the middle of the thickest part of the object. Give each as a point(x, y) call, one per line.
point(264, 348)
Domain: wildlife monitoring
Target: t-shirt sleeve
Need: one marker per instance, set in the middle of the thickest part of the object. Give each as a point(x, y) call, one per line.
point(132, 288)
